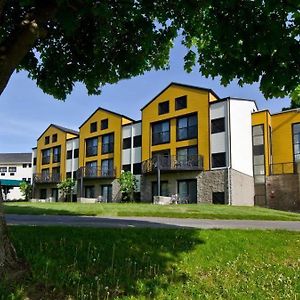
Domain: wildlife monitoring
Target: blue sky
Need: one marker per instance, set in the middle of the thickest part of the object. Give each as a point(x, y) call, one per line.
point(25, 111)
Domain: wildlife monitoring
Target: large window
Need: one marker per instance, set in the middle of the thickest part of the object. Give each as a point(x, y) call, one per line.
point(91, 147)
point(187, 191)
point(296, 142)
point(45, 156)
point(56, 154)
point(107, 143)
point(107, 166)
point(163, 107)
point(218, 160)
point(91, 168)
point(161, 133)
point(89, 191)
point(106, 192)
point(258, 153)
point(164, 188)
point(187, 127)
point(218, 125)
point(188, 156)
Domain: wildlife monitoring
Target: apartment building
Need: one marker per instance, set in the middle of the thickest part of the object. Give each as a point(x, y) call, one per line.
point(54, 159)
point(15, 167)
point(108, 144)
point(189, 143)
point(198, 145)
point(276, 158)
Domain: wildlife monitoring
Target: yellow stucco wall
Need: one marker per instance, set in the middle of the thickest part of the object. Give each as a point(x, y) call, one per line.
point(197, 102)
point(115, 123)
point(61, 141)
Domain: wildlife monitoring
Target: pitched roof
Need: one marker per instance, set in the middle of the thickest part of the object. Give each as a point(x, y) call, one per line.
point(106, 110)
point(182, 85)
point(64, 129)
point(15, 158)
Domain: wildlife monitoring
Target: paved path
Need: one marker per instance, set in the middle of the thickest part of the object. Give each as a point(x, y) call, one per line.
point(147, 222)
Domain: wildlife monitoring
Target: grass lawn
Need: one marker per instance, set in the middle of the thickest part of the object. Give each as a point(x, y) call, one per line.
point(89, 263)
point(205, 211)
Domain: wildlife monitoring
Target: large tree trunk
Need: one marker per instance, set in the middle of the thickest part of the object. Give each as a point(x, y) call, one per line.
point(10, 266)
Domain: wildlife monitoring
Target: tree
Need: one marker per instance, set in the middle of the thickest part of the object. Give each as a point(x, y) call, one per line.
point(26, 190)
point(67, 187)
point(61, 42)
point(128, 185)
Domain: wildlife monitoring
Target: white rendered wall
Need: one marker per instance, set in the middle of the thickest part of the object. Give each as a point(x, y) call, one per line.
point(72, 164)
point(34, 155)
point(20, 174)
point(218, 141)
point(241, 135)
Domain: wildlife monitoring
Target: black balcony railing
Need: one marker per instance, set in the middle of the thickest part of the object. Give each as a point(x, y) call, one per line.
point(46, 178)
point(173, 163)
point(95, 172)
point(285, 168)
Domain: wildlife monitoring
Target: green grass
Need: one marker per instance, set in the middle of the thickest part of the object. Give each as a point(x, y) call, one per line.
point(205, 211)
point(86, 263)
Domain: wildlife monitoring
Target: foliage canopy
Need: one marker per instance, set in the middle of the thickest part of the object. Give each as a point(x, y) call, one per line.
point(60, 42)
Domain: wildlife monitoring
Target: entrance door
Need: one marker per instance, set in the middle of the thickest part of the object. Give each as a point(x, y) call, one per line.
point(54, 194)
point(106, 192)
point(187, 191)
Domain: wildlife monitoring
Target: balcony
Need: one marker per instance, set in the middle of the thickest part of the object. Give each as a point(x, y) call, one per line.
point(173, 163)
point(95, 172)
point(46, 178)
point(285, 168)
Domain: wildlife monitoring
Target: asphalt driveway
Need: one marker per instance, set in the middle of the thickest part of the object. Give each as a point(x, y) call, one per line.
point(147, 222)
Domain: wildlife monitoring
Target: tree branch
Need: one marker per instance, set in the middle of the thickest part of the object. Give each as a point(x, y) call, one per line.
point(13, 50)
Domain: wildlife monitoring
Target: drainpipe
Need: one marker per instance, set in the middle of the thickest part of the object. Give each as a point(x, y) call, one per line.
point(229, 153)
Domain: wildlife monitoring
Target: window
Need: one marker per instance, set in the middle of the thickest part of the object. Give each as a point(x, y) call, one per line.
point(258, 153)
point(76, 153)
point(34, 161)
point(29, 165)
point(218, 160)
point(106, 192)
point(107, 143)
point(69, 154)
point(180, 102)
point(91, 147)
point(187, 156)
point(29, 180)
point(56, 170)
point(126, 168)
point(137, 141)
point(164, 188)
point(3, 169)
point(24, 179)
point(12, 169)
point(187, 191)
point(218, 125)
point(56, 154)
point(43, 193)
point(163, 107)
point(74, 174)
point(91, 169)
point(93, 127)
point(24, 165)
point(45, 172)
point(47, 140)
point(54, 138)
point(104, 124)
point(218, 198)
point(45, 156)
point(127, 143)
point(187, 128)
point(107, 166)
point(161, 133)
point(296, 141)
point(137, 168)
point(69, 174)
point(12, 174)
point(89, 191)
point(2, 174)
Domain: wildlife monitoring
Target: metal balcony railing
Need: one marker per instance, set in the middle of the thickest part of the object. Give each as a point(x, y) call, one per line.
point(173, 163)
point(46, 178)
point(285, 168)
point(95, 172)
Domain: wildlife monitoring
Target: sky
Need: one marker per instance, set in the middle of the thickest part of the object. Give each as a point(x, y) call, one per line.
point(25, 111)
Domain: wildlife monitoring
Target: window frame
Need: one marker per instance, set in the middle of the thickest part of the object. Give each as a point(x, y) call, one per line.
point(93, 127)
point(111, 143)
point(162, 107)
point(54, 138)
point(160, 133)
point(104, 124)
point(216, 128)
point(88, 152)
point(189, 136)
point(178, 105)
point(218, 166)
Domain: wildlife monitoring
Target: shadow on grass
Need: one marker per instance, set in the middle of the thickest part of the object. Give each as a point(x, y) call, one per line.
point(30, 210)
point(88, 263)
